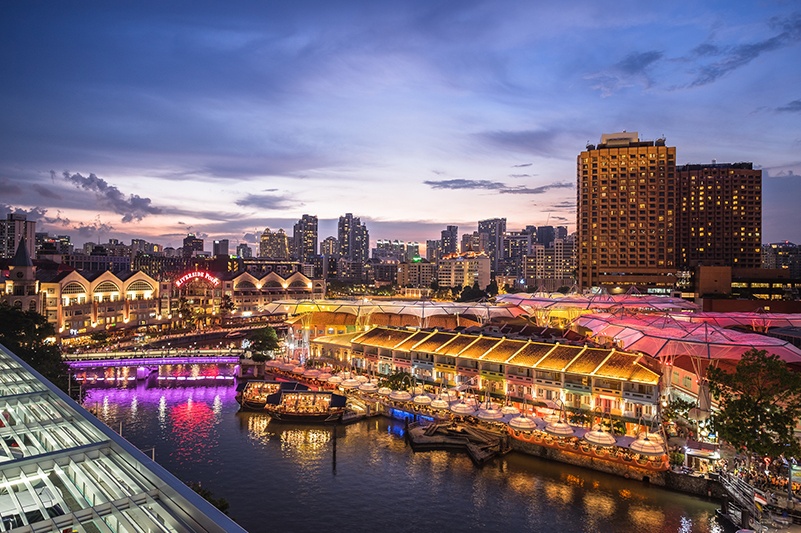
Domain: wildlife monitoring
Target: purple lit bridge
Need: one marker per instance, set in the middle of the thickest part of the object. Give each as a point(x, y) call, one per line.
point(105, 362)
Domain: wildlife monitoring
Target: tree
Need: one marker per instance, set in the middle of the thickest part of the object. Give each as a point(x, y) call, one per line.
point(760, 403)
point(492, 288)
point(28, 334)
point(262, 341)
point(226, 307)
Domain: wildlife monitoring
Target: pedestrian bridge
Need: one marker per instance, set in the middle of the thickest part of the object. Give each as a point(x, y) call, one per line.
point(119, 359)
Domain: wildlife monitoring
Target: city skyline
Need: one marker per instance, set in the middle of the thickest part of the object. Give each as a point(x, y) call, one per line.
point(153, 121)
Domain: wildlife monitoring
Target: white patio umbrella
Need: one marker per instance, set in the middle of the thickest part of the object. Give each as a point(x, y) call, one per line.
point(324, 376)
point(510, 410)
point(439, 403)
point(462, 408)
point(559, 429)
point(335, 380)
point(422, 399)
point(400, 395)
point(349, 383)
point(368, 387)
point(524, 423)
point(362, 378)
point(600, 437)
point(489, 414)
point(311, 373)
point(645, 446)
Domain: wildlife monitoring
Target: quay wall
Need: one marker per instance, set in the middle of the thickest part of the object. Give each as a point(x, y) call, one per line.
point(629, 472)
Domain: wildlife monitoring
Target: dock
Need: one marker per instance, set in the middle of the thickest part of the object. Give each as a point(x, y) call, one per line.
point(481, 445)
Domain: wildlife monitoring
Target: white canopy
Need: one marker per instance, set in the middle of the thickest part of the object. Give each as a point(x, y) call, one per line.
point(523, 422)
point(400, 395)
point(422, 399)
point(600, 437)
point(560, 429)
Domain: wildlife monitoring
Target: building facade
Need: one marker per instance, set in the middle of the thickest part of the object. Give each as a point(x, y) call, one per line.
point(14, 228)
point(626, 199)
point(494, 229)
point(719, 220)
point(274, 245)
point(464, 270)
point(304, 239)
point(354, 239)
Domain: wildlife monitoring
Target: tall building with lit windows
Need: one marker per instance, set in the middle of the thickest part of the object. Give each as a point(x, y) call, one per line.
point(626, 197)
point(719, 219)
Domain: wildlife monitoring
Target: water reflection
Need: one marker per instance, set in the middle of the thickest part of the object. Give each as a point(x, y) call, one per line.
point(200, 435)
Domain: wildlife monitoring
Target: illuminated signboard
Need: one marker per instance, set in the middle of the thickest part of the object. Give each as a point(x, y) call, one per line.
point(197, 274)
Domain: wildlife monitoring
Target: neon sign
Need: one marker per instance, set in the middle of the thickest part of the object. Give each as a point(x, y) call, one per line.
point(197, 274)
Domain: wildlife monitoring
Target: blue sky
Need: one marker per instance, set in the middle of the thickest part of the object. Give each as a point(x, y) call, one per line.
point(152, 119)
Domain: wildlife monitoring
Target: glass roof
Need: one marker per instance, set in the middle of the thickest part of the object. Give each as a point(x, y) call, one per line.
point(63, 470)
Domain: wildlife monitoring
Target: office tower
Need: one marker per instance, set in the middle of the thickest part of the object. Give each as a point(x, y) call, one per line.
point(719, 218)
point(192, 245)
point(545, 235)
point(474, 242)
point(14, 228)
point(449, 243)
point(329, 246)
point(304, 238)
point(433, 250)
point(220, 247)
point(274, 245)
point(785, 255)
point(626, 198)
point(244, 251)
point(354, 239)
point(494, 229)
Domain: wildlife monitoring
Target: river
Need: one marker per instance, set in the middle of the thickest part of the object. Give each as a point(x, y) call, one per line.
point(363, 477)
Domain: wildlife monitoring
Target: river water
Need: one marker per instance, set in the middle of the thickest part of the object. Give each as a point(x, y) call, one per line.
point(363, 477)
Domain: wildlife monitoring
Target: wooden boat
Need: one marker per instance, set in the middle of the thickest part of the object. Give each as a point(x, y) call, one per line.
point(306, 406)
point(252, 395)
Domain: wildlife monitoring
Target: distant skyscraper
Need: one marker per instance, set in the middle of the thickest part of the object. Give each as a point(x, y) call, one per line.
point(220, 247)
point(274, 245)
point(433, 250)
point(450, 240)
point(12, 230)
point(719, 218)
point(354, 239)
point(329, 246)
point(494, 228)
point(625, 217)
point(304, 239)
point(474, 242)
point(545, 235)
point(192, 245)
point(244, 251)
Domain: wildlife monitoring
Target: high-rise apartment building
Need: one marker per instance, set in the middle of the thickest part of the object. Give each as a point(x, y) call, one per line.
point(192, 245)
point(449, 241)
point(274, 245)
point(354, 239)
point(433, 250)
point(494, 229)
point(626, 197)
point(14, 228)
point(785, 255)
point(516, 246)
point(719, 218)
point(474, 242)
point(304, 238)
point(329, 246)
point(463, 270)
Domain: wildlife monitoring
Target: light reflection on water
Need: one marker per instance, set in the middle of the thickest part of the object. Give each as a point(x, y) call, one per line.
point(363, 477)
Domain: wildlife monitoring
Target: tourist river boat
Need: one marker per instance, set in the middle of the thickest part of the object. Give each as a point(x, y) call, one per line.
point(306, 406)
point(252, 395)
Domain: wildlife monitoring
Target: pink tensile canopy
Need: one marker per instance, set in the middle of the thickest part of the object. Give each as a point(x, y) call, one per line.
point(668, 338)
point(600, 302)
point(756, 320)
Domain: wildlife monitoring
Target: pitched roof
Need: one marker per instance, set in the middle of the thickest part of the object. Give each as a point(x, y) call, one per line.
point(22, 258)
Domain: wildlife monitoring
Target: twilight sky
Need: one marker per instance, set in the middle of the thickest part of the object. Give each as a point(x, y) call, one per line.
point(151, 119)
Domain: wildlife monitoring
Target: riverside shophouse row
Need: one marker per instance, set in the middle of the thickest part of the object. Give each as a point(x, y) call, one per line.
point(622, 384)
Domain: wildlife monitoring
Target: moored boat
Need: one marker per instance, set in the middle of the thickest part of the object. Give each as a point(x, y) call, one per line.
point(252, 395)
point(305, 406)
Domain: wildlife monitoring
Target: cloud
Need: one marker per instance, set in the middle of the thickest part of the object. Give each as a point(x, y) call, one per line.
point(93, 228)
point(57, 220)
point(564, 205)
point(45, 192)
point(133, 208)
point(522, 165)
point(519, 175)
point(267, 201)
point(632, 69)
point(791, 107)
point(457, 184)
point(8, 187)
point(733, 57)
point(537, 190)
point(466, 184)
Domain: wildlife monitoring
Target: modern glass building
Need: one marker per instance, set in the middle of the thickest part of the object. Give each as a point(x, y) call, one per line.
point(62, 470)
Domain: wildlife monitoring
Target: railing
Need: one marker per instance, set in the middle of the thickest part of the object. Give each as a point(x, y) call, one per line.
point(155, 360)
